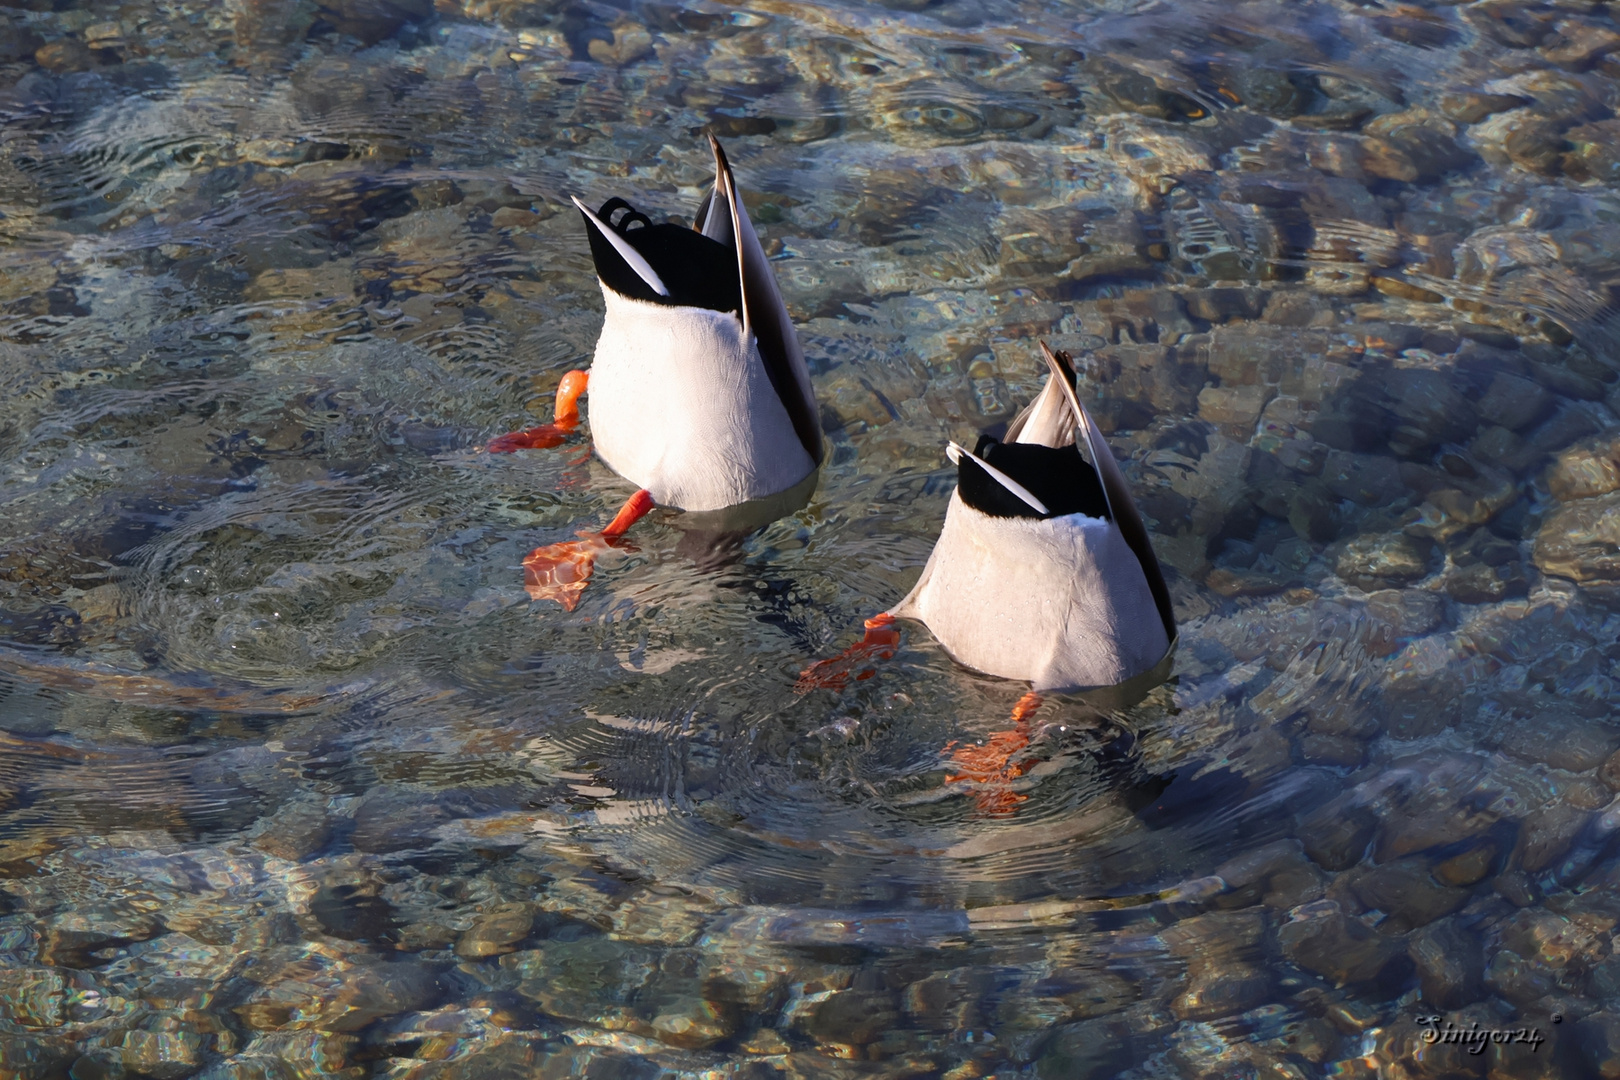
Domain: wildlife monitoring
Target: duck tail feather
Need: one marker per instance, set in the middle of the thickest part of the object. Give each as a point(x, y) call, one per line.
point(957, 452)
point(1120, 504)
point(765, 315)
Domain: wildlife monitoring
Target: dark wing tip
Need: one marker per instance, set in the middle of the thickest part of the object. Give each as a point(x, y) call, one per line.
point(1060, 359)
point(719, 151)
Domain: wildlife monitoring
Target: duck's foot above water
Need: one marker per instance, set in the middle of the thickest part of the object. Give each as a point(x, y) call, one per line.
point(994, 764)
point(564, 420)
point(880, 642)
point(561, 571)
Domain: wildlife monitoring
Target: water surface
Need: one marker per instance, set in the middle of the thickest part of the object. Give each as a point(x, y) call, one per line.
point(295, 779)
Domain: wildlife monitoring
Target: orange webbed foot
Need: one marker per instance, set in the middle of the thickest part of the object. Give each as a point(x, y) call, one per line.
point(992, 764)
point(544, 437)
point(561, 571)
point(881, 640)
point(564, 420)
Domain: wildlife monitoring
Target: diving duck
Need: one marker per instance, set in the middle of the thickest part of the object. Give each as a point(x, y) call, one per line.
point(699, 393)
point(1043, 571)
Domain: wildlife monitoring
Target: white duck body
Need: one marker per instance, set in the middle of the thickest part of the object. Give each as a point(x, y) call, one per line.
point(1053, 601)
point(715, 433)
point(1066, 601)
point(699, 391)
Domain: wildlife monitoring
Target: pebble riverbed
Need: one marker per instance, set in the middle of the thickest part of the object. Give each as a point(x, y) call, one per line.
point(295, 781)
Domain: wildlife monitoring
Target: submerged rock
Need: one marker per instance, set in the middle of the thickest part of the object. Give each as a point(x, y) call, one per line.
point(1585, 470)
point(1407, 891)
point(1467, 868)
point(851, 1017)
point(1595, 152)
point(1336, 836)
point(395, 818)
point(330, 992)
point(1514, 402)
point(497, 931)
point(1371, 562)
point(589, 980)
point(1095, 1049)
point(1408, 612)
point(1559, 739)
point(1545, 835)
point(1320, 937)
point(1581, 540)
point(1485, 584)
point(295, 831)
point(1598, 1037)
point(68, 939)
point(353, 912)
point(169, 1052)
point(1450, 962)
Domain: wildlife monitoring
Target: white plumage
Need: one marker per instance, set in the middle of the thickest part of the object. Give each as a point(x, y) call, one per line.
point(681, 405)
point(1065, 602)
point(706, 408)
point(1061, 603)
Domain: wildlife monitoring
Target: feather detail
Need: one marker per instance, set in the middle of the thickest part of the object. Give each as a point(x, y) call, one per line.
point(1120, 504)
point(1049, 420)
point(765, 314)
point(630, 255)
point(956, 452)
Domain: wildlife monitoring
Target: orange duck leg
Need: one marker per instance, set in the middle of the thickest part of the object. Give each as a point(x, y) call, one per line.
point(881, 640)
point(991, 765)
point(561, 571)
point(564, 419)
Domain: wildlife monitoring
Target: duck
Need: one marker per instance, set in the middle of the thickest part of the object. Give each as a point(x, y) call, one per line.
point(1043, 573)
point(699, 392)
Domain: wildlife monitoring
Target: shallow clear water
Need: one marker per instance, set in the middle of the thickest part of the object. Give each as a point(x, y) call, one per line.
point(295, 779)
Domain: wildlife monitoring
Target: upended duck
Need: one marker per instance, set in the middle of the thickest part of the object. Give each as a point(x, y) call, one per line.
point(1043, 572)
point(699, 392)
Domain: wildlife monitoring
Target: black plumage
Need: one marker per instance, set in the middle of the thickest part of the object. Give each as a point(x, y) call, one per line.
point(697, 271)
point(1057, 476)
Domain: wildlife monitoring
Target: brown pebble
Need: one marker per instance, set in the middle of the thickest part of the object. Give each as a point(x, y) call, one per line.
point(1609, 772)
point(1469, 868)
point(1587, 794)
point(1405, 290)
point(1471, 108)
point(511, 217)
point(64, 55)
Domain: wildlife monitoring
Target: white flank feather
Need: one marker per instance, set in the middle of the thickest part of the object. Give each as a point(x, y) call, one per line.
point(681, 405)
